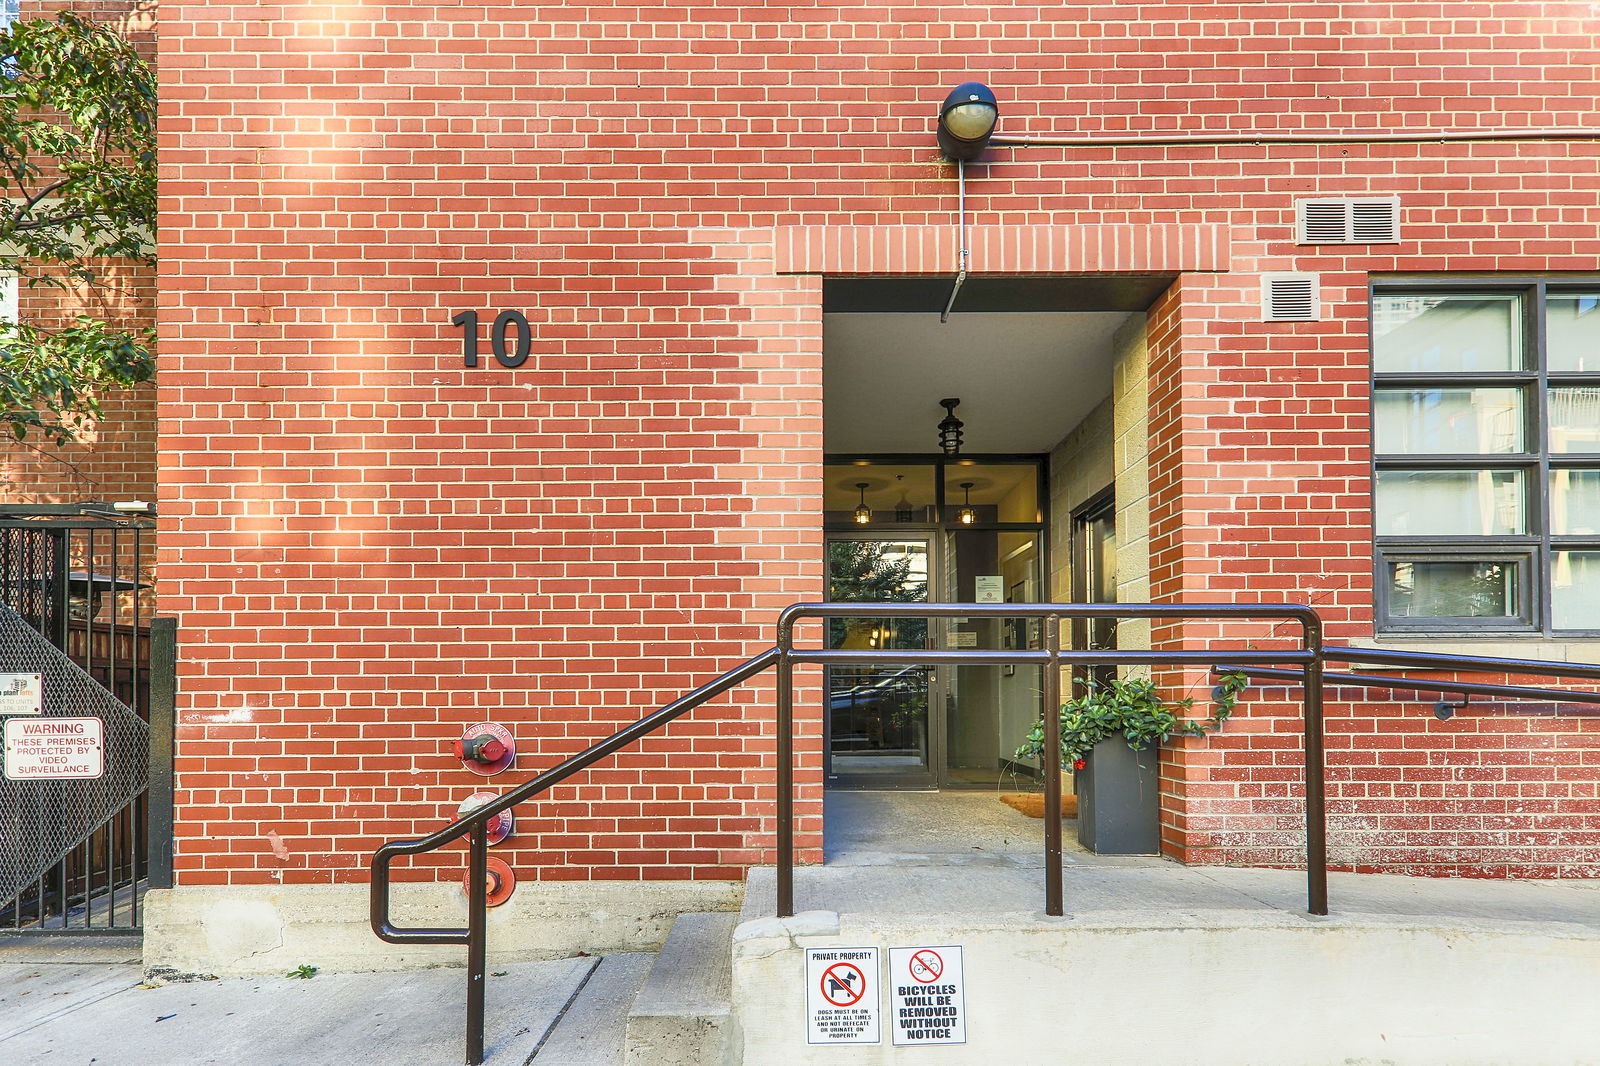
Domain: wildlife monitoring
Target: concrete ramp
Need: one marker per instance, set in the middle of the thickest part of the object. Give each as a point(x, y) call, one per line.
point(1156, 962)
point(1230, 989)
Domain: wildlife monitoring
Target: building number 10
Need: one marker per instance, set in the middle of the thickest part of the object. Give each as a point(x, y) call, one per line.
point(468, 321)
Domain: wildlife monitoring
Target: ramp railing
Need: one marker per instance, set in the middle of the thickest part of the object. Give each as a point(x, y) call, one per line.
point(1441, 662)
point(1052, 656)
point(475, 825)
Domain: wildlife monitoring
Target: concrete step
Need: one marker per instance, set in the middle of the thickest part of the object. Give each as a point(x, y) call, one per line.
point(682, 1014)
point(591, 1031)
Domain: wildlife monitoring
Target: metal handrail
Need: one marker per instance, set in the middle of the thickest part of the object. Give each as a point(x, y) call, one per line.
point(476, 823)
point(1443, 661)
point(1308, 656)
point(1440, 661)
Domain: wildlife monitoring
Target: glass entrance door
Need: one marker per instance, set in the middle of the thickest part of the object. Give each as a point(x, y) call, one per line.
point(934, 530)
point(988, 710)
point(878, 729)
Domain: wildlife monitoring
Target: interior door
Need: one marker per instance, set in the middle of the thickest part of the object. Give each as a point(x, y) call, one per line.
point(988, 710)
point(1094, 578)
point(877, 716)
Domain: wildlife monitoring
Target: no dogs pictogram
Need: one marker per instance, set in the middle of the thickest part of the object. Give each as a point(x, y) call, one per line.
point(843, 984)
point(842, 996)
point(926, 966)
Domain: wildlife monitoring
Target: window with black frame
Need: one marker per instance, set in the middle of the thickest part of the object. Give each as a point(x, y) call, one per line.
point(1486, 435)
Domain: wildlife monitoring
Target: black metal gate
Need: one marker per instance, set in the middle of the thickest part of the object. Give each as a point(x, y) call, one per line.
point(80, 653)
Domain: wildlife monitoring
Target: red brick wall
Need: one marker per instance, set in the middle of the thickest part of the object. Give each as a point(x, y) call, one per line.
point(369, 546)
point(114, 458)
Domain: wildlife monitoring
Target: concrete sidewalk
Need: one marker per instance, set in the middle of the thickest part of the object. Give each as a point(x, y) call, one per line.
point(70, 1005)
point(910, 862)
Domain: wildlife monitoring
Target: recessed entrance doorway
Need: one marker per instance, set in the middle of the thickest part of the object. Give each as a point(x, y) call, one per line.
point(1051, 384)
point(956, 531)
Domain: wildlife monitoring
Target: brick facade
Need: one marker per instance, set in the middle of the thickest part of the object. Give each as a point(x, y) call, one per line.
point(114, 458)
point(369, 546)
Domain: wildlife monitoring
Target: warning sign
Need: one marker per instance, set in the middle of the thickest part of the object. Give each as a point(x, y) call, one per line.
point(842, 996)
point(927, 996)
point(54, 748)
point(21, 694)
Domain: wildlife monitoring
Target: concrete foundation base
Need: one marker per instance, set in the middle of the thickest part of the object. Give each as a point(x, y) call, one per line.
point(1217, 989)
point(245, 930)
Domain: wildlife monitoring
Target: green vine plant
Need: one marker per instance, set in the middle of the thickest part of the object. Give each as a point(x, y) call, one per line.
point(1133, 708)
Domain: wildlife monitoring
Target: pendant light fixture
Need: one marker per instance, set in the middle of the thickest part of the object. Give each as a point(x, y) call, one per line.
point(863, 512)
point(966, 516)
point(902, 508)
point(950, 428)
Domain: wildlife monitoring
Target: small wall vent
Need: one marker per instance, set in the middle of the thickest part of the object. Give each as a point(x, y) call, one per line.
point(1348, 220)
point(1291, 298)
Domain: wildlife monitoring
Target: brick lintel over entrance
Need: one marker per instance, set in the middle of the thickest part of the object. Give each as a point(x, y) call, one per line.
point(1170, 249)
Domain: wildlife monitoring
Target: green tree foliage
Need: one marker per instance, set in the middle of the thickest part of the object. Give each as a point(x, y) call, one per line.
point(876, 571)
point(78, 163)
point(873, 571)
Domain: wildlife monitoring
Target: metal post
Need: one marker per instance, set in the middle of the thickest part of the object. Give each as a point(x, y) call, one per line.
point(1052, 767)
point(60, 560)
point(477, 946)
point(163, 715)
point(1316, 811)
point(785, 776)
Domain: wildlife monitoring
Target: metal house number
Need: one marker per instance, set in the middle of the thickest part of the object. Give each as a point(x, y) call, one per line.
point(468, 321)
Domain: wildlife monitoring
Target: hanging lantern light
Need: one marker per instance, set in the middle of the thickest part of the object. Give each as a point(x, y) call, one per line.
point(950, 428)
point(902, 509)
point(966, 516)
point(863, 512)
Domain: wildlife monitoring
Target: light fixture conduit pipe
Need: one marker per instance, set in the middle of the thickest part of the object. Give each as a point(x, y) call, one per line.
point(1158, 140)
point(961, 232)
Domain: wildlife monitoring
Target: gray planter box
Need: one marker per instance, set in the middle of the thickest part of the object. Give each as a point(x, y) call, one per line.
point(1119, 800)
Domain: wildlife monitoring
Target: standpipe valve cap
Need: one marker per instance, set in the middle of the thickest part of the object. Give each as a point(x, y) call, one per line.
point(480, 748)
point(485, 748)
point(500, 884)
point(500, 826)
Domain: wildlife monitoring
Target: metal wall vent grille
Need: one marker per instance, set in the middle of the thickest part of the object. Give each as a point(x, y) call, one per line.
point(1290, 298)
point(1348, 220)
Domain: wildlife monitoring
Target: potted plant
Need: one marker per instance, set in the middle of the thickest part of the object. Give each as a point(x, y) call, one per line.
point(1111, 735)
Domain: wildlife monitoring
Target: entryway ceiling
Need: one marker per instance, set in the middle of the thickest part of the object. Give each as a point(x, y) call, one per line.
point(1025, 380)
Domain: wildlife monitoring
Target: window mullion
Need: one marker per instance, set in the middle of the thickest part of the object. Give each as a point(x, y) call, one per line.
point(1539, 407)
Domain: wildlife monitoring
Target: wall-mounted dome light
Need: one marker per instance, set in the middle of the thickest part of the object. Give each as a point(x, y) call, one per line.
point(967, 120)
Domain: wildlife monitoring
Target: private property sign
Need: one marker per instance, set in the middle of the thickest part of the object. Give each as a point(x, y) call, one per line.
point(54, 749)
point(842, 996)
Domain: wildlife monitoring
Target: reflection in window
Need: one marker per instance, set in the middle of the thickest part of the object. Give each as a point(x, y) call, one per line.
point(1439, 333)
point(1575, 420)
point(1573, 321)
point(1574, 502)
point(1575, 589)
point(1486, 492)
point(1484, 503)
point(1449, 421)
point(1450, 589)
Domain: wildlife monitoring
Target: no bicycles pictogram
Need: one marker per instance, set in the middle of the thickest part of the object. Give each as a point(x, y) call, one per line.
point(926, 966)
point(843, 984)
point(927, 996)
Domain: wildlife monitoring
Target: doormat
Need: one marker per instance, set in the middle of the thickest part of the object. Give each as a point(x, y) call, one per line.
point(1032, 803)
